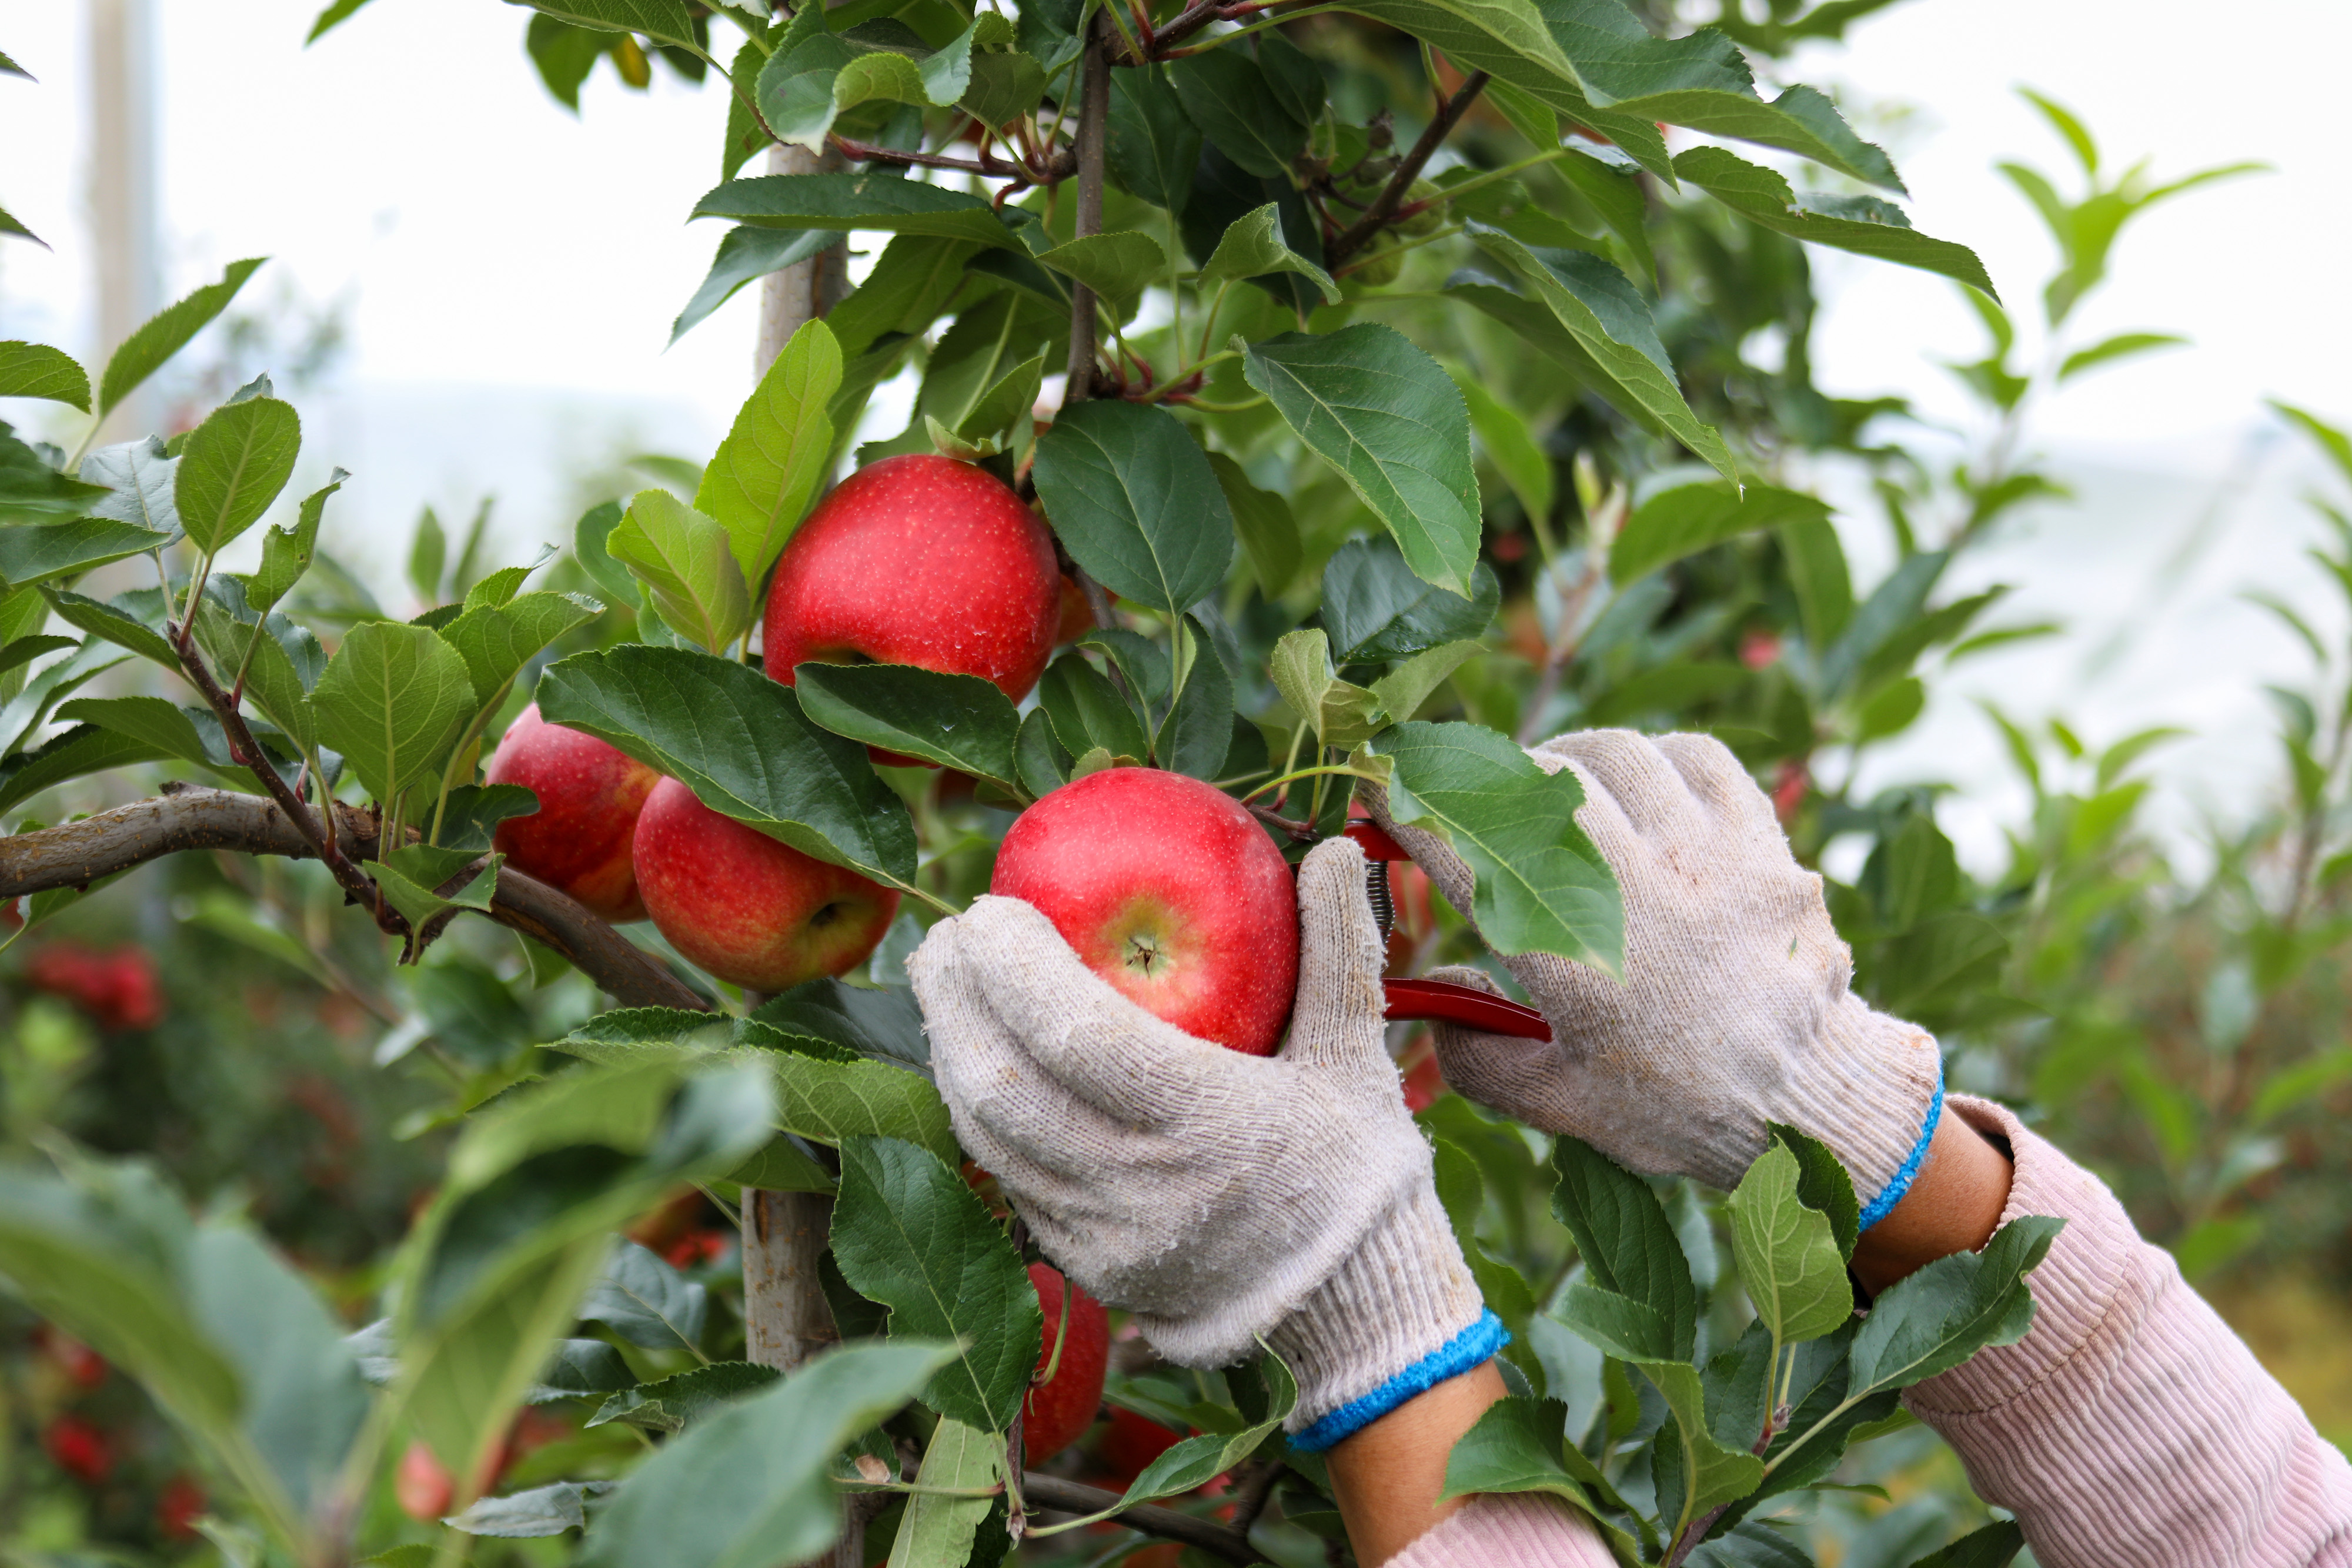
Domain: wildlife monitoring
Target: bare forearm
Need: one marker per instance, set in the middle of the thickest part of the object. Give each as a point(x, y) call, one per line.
point(1954, 1205)
point(1386, 1478)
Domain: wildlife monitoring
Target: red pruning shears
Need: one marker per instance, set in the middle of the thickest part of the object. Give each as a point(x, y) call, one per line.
point(1438, 1000)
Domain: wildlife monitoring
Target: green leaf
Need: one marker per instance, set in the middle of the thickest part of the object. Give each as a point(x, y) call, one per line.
point(1788, 1260)
point(497, 639)
point(35, 370)
point(2109, 349)
point(144, 476)
point(393, 701)
point(1605, 178)
point(1043, 762)
point(662, 21)
point(867, 200)
point(1627, 1242)
point(1509, 444)
point(761, 480)
point(956, 721)
point(1135, 502)
point(938, 1524)
point(1229, 97)
point(1817, 570)
point(1385, 416)
point(1687, 518)
point(1004, 87)
point(1541, 886)
point(1117, 266)
point(1342, 712)
point(421, 881)
point(75, 754)
point(1377, 608)
point(1152, 149)
point(2333, 442)
point(910, 1233)
point(32, 491)
point(1086, 711)
point(745, 254)
point(1711, 1472)
point(1269, 534)
point(673, 1404)
point(1609, 322)
point(1863, 224)
point(1822, 1184)
point(749, 1484)
point(1994, 1546)
point(521, 1224)
point(25, 650)
point(646, 1302)
point(535, 1512)
point(474, 812)
point(1197, 733)
point(687, 562)
point(911, 280)
point(739, 741)
point(1514, 1446)
point(286, 552)
point(9, 226)
point(1253, 247)
point(1403, 689)
point(164, 335)
point(286, 665)
point(32, 553)
point(168, 730)
point(1942, 1315)
point(878, 76)
point(833, 1102)
point(233, 467)
point(1191, 1464)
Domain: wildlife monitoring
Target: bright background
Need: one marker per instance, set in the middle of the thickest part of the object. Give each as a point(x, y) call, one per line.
point(508, 275)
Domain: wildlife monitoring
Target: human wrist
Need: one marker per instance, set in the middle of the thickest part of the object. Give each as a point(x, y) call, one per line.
point(1954, 1204)
point(1400, 1315)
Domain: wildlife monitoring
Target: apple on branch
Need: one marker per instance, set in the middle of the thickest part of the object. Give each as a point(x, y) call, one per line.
point(580, 839)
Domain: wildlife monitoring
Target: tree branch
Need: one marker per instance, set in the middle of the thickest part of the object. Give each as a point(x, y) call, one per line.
point(1219, 1541)
point(1093, 136)
point(76, 854)
point(1357, 234)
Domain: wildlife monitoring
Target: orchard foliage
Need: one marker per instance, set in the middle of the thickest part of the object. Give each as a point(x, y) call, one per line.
point(1407, 407)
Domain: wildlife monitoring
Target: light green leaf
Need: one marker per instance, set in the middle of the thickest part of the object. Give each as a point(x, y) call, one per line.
point(1541, 886)
point(1197, 1460)
point(393, 701)
point(867, 200)
point(1514, 1446)
point(35, 370)
point(938, 1524)
point(114, 622)
point(1503, 434)
point(1253, 246)
point(414, 880)
point(1689, 519)
point(498, 640)
point(740, 742)
point(750, 1485)
point(878, 74)
point(1117, 266)
point(1383, 415)
point(908, 1233)
point(2121, 346)
point(142, 475)
point(664, 21)
point(1863, 224)
point(761, 480)
point(1608, 322)
point(1712, 1473)
point(285, 667)
point(834, 1100)
point(1940, 1316)
point(1788, 1260)
point(233, 467)
point(1402, 690)
point(35, 552)
point(1135, 502)
point(1269, 534)
point(166, 333)
point(687, 562)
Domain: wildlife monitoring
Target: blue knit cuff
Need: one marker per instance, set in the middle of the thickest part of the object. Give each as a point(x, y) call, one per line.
point(1471, 1347)
point(1884, 1203)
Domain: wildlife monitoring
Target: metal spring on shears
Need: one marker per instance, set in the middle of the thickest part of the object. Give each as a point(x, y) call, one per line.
point(1376, 888)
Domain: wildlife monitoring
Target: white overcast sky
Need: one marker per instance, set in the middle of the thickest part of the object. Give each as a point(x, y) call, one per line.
point(510, 273)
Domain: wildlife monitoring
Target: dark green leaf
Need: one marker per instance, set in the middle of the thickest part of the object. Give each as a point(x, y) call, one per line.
point(1689, 519)
point(956, 721)
point(911, 1234)
point(1377, 608)
point(749, 1484)
point(35, 370)
point(1187, 1464)
point(673, 1404)
point(739, 741)
point(1817, 570)
point(911, 280)
point(1956, 1306)
point(1385, 416)
point(164, 335)
point(1042, 760)
point(744, 255)
point(1229, 98)
point(1269, 534)
point(1541, 886)
point(662, 21)
point(1135, 502)
point(33, 491)
point(646, 1302)
point(1623, 1234)
point(1199, 729)
point(579, 1367)
point(1514, 1446)
point(35, 552)
point(1087, 712)
point(474, 812)
point(72, 755)
point(1994, 1546)
point(564, 56)
point(867, 200)
point(1860, 223)
point(1153, 145)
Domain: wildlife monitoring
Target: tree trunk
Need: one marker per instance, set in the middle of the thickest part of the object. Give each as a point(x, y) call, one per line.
point(786, 1319)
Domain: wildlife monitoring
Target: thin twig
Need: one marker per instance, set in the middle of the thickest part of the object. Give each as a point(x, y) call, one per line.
point(1251, 1495)
point(1219, 1541)
point(1384, 205)
point(1092, 141)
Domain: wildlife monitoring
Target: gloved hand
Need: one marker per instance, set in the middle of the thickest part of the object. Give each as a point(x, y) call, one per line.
point(1734, 1010)
point(1219, 1196)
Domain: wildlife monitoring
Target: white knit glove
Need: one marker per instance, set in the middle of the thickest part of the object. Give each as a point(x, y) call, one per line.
point(1217, 1196)
point(1734, 1010)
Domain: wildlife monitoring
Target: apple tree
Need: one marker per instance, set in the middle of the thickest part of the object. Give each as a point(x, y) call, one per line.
point(1380, 370)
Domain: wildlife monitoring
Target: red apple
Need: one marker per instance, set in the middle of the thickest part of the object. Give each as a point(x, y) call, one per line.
point(1131, 1444)
point(1057, 1413)
point(918, 559)
point(589, 797)
point(750, 910)
point(1169, 890)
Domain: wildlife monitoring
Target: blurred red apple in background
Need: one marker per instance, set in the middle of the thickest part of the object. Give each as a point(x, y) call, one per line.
point(1169, 890)
point(1057, 1413)
point(589, 797)
point(751, 910)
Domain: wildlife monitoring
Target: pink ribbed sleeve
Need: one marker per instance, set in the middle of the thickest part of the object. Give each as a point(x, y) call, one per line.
point(1524, 1529)
point(2131, 1429)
